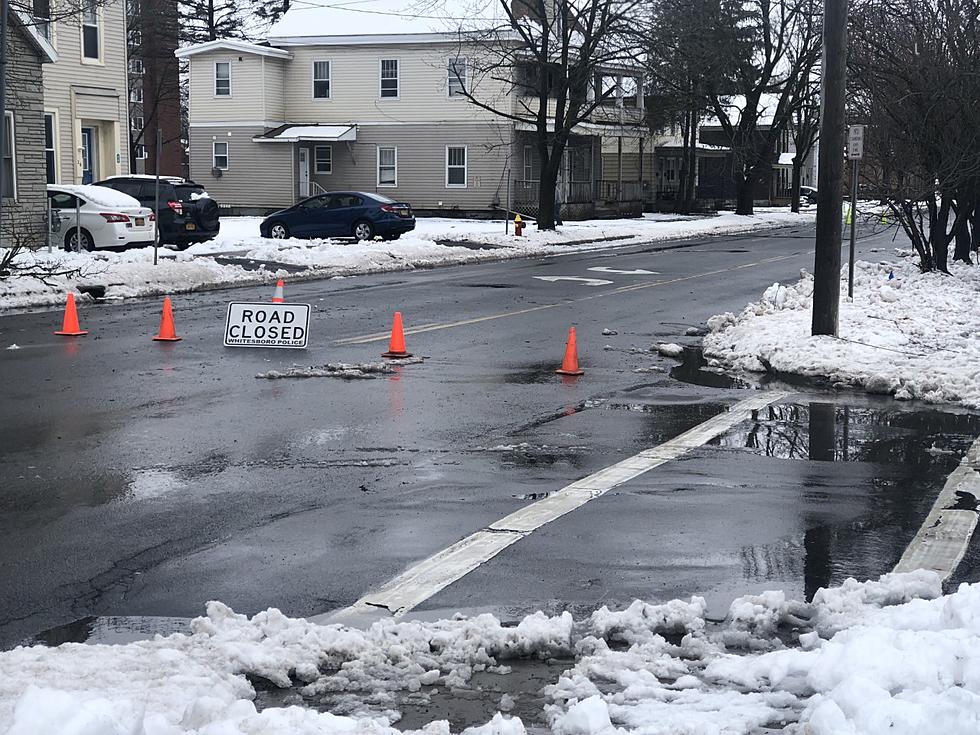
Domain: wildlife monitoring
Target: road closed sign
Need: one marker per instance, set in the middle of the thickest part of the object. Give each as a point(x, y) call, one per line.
point(284, 326)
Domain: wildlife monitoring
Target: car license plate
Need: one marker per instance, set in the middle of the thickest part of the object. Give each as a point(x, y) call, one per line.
point(140, 221)
point(190, 226)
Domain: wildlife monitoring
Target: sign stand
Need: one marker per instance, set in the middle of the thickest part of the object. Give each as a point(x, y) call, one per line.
point(855, 152)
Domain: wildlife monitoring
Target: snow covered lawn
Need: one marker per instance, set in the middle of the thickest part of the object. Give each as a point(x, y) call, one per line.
point(892, 655)
point(132, 273)
point(906, 333)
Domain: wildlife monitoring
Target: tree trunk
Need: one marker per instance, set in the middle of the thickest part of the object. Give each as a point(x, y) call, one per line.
point(745, 194)
point(963, 244)
point(546, 192)
point(797, 177)
point(681, 205)
point(692, 162)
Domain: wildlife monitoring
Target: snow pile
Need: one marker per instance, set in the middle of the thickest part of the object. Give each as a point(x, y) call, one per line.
point(906, 333)
point(889, 655)
point(349, 371)
point(132, 273)
point(101, 195)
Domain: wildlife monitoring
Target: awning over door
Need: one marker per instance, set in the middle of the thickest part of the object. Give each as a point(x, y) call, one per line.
point(308, 133)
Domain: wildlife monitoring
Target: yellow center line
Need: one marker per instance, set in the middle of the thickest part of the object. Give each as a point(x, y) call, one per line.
point(380, 337)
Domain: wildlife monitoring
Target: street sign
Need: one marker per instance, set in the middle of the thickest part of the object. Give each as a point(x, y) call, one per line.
point(284, 326)
point(855, 142)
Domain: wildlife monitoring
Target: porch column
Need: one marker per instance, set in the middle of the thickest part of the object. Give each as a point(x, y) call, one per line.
point(641, 168)
point(640, 96)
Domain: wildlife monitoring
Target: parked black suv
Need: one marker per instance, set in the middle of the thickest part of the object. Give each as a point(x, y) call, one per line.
point(187, 213)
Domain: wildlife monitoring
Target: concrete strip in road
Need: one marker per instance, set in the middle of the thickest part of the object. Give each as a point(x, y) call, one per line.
point(945, 534)
point(381, 336)
point(425, 579)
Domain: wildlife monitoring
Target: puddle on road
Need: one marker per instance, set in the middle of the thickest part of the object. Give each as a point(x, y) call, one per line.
point(694, 369)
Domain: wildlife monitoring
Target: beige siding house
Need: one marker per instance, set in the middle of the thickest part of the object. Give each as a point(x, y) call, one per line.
point(85, 94)
point(321, 106)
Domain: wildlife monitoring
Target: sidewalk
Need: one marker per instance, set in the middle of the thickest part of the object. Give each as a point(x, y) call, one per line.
point(239, 256)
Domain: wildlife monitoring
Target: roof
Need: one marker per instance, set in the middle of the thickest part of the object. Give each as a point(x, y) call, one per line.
point(348, 22)
point(41, 45)
point(312, 132)
point(227, 44)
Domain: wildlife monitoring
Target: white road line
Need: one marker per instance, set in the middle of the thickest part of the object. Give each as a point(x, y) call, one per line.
point(425, 579)
point(945, 534)
point(381, 336)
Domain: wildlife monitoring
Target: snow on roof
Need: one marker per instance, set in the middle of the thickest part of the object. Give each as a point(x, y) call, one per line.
point(367, 21)
point(40, 43)
point(228, 44)
point(294, 133)
point(101, 195)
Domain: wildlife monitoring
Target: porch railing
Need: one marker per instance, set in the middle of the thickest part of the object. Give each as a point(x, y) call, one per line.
point(583, 192)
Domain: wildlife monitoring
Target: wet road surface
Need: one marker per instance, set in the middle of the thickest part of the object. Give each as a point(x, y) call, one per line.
point(144, 479)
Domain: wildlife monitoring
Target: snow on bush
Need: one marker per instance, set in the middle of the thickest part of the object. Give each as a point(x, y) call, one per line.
point(906, 333)
point(891, 655)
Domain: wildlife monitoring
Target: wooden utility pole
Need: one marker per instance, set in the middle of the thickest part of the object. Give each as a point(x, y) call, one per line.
point(830, 177)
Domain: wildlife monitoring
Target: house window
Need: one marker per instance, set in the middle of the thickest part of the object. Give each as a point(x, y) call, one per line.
point(387, 166)
point(219, 157)
point(137, 37)
point(457, 77)
point(9, 170)
point(389, 77)
point(136, 66)
point(323, 159)
point(136, 94)
point(321, 80)
point(132, 7)
point(140, 152)
point(456, 166)
point(42, 17)
point(49, 156)
point(137, 124)
point(222, 79)
point(90, 30)
point(528, 163)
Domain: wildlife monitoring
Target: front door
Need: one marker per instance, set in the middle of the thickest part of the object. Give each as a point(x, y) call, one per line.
point(88, 155)
point(304, 172)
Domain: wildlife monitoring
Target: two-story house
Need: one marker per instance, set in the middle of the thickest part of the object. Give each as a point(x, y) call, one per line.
point(86, 110)
point(342, 99)
point(23, 160)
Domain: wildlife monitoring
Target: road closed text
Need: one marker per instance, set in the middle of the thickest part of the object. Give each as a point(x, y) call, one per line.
point(267, 325)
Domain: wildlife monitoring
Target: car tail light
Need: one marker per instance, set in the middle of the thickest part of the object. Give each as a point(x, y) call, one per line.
point(111, 217)
point(388, 208)
point(176, 206)
point(153, 217)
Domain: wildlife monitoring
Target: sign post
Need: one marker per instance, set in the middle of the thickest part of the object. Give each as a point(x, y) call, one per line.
point(282, 326)
point(855, 152)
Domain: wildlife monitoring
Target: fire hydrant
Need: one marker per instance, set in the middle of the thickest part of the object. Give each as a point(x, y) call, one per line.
point(518, 226)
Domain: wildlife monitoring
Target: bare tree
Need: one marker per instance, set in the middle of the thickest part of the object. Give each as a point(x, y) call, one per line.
point(209, 20)
point(549, 64)
point(804, 128)
point(691, 47)
point(754, 110)
point(914, 65)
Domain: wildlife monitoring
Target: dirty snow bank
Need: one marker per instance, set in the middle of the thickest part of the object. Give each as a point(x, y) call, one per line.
point(889, 655)
point(912, 335)
point(132, 274)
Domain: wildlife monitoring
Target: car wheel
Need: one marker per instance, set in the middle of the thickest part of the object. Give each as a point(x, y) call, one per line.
point(363, 230)
point(278, 231)
point(71, 240)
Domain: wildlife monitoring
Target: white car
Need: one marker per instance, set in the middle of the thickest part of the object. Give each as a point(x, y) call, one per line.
point(108, 218)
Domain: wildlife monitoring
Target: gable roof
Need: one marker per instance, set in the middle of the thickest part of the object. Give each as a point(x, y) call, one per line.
point(40, 44)
point(227, 44)
point(348, 22)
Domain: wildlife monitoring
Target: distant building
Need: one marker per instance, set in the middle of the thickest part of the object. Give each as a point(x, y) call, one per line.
point(24, 160)
point(85, 92)
point(337, 99)
point(154, 87)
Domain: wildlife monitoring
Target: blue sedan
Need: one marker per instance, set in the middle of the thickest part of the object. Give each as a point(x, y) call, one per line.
point(341, 214)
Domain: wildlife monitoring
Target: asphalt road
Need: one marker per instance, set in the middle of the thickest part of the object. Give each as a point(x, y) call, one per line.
point(144, 479)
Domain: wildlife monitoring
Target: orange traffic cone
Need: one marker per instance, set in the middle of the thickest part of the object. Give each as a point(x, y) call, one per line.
point(167, 331)
point(279, 297)
point(396, 347)
point(569, 366)
point(69, 327)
